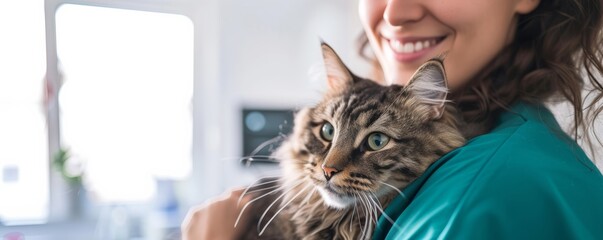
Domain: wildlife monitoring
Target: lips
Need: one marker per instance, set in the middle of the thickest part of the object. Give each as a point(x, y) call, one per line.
point(410, 49)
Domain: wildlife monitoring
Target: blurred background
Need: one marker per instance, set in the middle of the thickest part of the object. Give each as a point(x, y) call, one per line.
point(116, 116)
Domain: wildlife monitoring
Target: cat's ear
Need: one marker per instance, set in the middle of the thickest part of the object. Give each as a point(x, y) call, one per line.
point(430, 86)
point(339, 76)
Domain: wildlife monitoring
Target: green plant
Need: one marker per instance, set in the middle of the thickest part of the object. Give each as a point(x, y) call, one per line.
point(60, 162)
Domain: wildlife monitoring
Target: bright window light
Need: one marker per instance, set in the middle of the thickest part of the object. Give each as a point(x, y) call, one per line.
point(23, 133)
point(126, 101)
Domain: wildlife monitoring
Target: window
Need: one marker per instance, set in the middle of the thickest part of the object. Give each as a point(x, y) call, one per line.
point(126, 100)
point(23, 133)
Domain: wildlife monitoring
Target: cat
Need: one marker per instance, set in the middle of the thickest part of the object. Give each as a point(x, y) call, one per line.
point(349, 155)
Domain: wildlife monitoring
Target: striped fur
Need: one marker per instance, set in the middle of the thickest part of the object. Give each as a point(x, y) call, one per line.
point(368, 179)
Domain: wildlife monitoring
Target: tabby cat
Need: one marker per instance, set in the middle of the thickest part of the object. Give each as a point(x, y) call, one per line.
point(349, 155)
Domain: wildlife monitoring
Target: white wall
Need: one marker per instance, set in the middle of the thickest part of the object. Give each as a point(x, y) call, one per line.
point(247, 54)
point(267, 49)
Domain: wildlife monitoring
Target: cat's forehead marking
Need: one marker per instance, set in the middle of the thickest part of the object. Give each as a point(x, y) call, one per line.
point(351, 99)
point(342, 105)
point(371, 117)
point(331, 109)
point(373, 121)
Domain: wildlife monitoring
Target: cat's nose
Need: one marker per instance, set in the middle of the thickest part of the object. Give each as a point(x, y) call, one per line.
point(329, 171)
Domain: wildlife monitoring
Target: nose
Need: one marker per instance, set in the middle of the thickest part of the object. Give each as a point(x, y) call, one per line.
point(329, 171)
point(400, 12)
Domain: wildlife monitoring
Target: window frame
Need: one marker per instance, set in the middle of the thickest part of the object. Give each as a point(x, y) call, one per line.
point(206, 86)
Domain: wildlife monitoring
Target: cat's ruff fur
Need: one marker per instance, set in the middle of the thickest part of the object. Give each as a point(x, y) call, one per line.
point(421, 127)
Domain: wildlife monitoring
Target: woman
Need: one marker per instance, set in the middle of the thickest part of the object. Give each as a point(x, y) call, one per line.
point(524, 178)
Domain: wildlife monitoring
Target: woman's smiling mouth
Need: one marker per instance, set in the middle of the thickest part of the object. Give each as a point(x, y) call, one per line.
point(411, 49)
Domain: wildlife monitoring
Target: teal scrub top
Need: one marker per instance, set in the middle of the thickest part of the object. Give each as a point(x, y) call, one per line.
point(525, 179)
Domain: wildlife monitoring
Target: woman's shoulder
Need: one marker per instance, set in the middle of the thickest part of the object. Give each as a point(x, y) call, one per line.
point(526, 150)
point(527, 136)
point(524, 179)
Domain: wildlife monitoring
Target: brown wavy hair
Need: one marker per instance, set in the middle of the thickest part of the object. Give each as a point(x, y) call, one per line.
point(552, 45)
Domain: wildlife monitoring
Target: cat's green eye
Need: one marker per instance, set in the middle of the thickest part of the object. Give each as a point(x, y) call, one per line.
point(327, 132)
point(377, 141)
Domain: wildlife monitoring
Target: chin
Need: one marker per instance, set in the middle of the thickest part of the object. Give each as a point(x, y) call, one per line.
point(335, 200)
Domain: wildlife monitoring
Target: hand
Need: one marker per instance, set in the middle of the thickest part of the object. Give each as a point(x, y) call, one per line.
point(216, 219)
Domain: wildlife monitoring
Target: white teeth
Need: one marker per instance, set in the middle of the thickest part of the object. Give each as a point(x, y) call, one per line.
point(411, 47)
point(418, 46)
point(396, 45)
point(408, 48)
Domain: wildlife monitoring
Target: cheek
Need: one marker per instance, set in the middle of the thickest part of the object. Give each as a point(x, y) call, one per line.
point(478, 38)
point(371, 13)
point(471, 57)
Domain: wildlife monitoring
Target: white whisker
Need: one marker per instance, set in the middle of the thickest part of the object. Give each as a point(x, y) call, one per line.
point(304, 203)
point(366, 213)
point(373, 214)
point(377, 207)
point(283, 207)
point(395, 188)
point(368, 218)
point(380, 208)
point(253, 184)
point(340, 219)
point(275, 201)
point(263, 189)
point(307, 199)
point(358, 215)
point(247, 204)
point(255, 199)
point(251, 158)
point(266, 143)
point(262, 156)
point(352, 217)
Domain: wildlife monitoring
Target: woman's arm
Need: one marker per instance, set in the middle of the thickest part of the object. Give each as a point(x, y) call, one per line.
point(216, 219)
